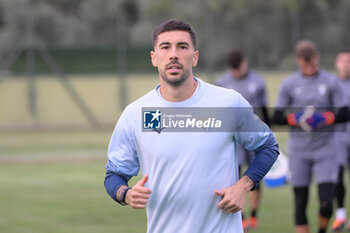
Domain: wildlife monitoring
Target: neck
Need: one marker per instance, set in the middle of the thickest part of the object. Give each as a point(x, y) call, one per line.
point(238, 74)
point(344, 77)
point(178, 93)
point(310, 75)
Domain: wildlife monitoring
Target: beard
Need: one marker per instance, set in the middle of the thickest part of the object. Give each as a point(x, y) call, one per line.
point(174, 82)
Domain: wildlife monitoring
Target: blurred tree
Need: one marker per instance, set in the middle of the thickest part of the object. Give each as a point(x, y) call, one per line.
point(266, 30)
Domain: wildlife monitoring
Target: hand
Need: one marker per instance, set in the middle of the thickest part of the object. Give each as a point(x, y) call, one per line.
point(304, 118)
point(138, 195)
point(233, 197)
point(316, 121)
point(310, 120)
point(300, 118)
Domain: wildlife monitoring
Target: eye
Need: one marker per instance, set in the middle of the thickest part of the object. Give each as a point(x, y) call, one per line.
point(183, 47)
point(164, 47)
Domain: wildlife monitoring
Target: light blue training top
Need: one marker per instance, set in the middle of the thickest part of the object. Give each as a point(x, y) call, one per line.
point(184, 168)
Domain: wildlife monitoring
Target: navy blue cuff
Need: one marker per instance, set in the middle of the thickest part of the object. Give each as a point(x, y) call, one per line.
point(113, 181)
point(263, 160)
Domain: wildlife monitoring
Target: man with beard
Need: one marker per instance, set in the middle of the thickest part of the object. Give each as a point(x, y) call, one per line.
point(190, 179)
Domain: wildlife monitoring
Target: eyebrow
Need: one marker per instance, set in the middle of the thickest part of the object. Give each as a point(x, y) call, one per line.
point(163, 43)
point(179, 43)
point(183, 43)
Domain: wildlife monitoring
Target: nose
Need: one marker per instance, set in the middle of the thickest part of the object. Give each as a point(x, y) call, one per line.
point(173, 54)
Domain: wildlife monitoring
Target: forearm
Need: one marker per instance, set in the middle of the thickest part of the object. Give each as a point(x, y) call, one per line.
point(247, 183)
point(265, 115)
point(279, 118)
point(119, 192)
point(113, 183)
point(343, 115)
point(264, 158)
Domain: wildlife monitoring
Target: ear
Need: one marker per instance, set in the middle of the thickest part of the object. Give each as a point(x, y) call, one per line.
point(153, 59)
point(245, 62)
point(318, 57)
point(195, 58)
point(336, 61)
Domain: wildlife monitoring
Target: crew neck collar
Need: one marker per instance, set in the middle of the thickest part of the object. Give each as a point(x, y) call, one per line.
point(190, 101)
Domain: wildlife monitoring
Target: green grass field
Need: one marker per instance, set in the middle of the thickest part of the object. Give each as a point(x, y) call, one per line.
point(52, 180)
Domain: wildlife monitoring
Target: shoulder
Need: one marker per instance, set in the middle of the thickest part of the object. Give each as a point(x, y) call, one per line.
point(134, 108)
point(330, 79)
point(326, 75)
point(223, 96)
point(257, 78)
point(291, 79)
point(223, 79)
point(256, 75)
point(329, 76)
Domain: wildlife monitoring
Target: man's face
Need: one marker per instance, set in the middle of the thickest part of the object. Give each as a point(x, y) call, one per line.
point(174, 55)
point(342, 64)
point(242, 70)
point(308, 67)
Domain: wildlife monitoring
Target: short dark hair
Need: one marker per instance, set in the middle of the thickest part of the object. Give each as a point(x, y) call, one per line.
point(235, 58)
point(305, 49)
point(174, 25)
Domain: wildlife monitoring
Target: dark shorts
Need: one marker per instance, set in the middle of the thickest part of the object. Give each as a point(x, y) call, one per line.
point(302, 168)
